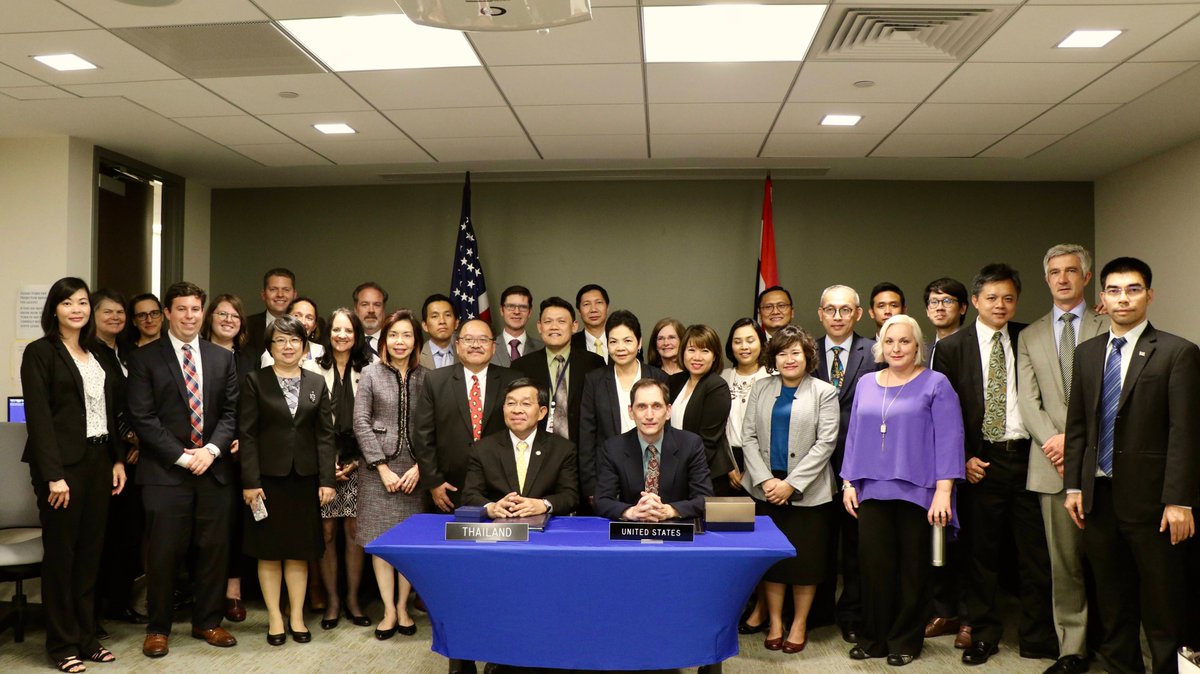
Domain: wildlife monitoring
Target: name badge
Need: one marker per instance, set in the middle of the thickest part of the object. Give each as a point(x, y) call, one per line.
point(645, 531)
point(486, 532)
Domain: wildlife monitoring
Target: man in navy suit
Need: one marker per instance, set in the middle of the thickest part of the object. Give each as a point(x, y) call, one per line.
point(654, 472)
point(845, 358)
point(182, 396)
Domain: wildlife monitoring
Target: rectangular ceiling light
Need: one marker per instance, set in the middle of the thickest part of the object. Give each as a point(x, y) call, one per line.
point(334, 128)
point(841, 120)
point(381, 42)
point(729, 33)
point(1088, 39)
point(65, 62)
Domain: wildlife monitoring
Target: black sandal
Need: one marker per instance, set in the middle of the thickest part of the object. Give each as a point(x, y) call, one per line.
point(103, 655)
point(71, 665)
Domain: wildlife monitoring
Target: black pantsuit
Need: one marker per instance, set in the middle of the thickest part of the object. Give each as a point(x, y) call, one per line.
point(1000, 503)
point(896, 576)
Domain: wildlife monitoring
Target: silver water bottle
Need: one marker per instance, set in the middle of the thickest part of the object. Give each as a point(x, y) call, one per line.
point(939, 545)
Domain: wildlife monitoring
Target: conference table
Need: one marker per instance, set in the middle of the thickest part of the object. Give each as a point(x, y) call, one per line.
point(571, 598)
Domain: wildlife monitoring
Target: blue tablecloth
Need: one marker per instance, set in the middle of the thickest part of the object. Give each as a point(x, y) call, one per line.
point(570, 598)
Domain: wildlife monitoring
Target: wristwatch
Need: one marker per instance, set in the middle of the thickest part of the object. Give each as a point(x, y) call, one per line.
point(549, 506)
point(214, 451)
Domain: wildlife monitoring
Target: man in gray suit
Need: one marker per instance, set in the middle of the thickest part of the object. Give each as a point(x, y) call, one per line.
point(439, 322)
point(516, 305)
point(1045, 356)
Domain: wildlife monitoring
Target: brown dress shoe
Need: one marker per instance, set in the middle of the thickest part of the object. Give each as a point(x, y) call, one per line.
point(963, 640)
point(235, 610)
point(155, 645)
point(216, 636)
point(939, 626)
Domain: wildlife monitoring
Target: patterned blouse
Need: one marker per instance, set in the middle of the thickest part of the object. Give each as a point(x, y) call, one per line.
point(93, 395)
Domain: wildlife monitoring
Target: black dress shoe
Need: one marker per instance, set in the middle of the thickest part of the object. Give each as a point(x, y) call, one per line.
point(360, 620)
point(859, 653)
point(899, 659)
point(746, 628)
point(849, 634)
point(128, 616)
point(714, 668)
point(329, 623)
point(276, 639)
point(462, 667)
point(1069, 664)
point(979, 652)
point(301, 637)
point(384, 635)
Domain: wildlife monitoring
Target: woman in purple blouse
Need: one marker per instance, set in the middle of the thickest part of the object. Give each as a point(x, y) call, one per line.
point(904, 450)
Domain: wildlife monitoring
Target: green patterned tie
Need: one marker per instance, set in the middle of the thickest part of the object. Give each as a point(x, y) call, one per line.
point(995, 398)
point(837, 373)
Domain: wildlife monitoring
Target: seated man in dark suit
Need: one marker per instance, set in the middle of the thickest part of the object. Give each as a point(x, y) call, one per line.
point(521, 472)
point(654, 472)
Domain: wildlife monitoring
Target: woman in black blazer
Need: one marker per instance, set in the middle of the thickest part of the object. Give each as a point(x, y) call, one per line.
point(604, 411)
point(700, 403)
point(72, 452)
point(285, 431)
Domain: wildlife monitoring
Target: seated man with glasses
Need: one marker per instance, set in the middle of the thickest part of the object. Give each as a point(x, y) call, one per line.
point(775, 309)
point(514, 341)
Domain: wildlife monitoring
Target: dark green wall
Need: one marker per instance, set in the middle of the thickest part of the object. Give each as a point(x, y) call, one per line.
point(681, 248)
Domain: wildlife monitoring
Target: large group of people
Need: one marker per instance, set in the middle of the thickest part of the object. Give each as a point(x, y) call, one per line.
point(206, 436)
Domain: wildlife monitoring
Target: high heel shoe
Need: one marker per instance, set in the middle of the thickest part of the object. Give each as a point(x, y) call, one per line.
point(773, 644)
point(792, 647)
point(329, 623)
point(360, 620)
point(302, 637)
point(276, 639)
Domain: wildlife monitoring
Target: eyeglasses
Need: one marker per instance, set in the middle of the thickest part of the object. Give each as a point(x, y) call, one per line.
point(516, 308)
point(147, 315)
point(844, 312)
point(1132, 292)
point(227, 316)
point(772, 308)
point(475, 341)
point(287, 341)
point(947, 302)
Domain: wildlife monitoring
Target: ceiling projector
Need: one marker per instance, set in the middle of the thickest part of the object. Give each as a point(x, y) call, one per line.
point(496, 15)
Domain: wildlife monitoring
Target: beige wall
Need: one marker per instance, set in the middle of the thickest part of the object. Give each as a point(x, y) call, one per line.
point(1151, 210)
point(680, 248)
point(197, 234)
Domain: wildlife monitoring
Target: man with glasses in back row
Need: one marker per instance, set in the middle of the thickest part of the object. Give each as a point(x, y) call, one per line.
point(774, 310)
point(514, 341)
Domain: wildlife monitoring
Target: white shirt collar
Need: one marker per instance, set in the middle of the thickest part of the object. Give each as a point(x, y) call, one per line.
point(529, 440)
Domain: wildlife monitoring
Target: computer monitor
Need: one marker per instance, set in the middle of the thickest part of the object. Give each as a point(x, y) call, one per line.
point(16, 410)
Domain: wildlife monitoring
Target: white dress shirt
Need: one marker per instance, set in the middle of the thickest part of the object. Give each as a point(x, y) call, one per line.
point(177, 346)
point(1013, 428)
point(467, 374)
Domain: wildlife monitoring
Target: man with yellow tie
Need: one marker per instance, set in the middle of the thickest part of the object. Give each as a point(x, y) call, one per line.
point(520, 472)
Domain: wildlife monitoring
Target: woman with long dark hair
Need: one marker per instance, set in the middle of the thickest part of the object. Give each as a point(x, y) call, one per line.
point(75, 466)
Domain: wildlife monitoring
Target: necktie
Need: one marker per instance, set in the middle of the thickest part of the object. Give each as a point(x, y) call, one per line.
point(371, 346)
point(1066, 352)
point(600, 349)
point(836, 372)
point(522, 464)
point(1109, 401)
point(560, 397)
point(995, 398)
point(192, 383)
point(439, 358)
point(513, 352)
point(476, 402)
point(652, 470)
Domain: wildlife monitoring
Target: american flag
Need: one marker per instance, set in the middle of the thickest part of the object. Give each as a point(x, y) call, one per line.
point(468, 294)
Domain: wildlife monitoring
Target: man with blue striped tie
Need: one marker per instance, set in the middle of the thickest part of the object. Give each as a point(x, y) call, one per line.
point(1132, 470)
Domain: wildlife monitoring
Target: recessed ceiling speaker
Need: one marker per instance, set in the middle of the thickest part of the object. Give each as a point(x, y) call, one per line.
point(496, 15)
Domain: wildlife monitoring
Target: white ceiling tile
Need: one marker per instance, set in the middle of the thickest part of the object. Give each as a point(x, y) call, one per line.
point(117, 61)
point(36, 16)
point(877, 118)
point(932, 3)
point(610, 37)
point(614, 3)
point(1181, 45)
point(1032, 32)
point(170, 98)
point(480, 149)
point(1016, 82)
point(583, 120)
point(320, 9)
point(695, 146)
point(15, 78)
point(821, 144)
point(1129, 81)
point(718, 82)
point(368, 125)
point(577, 84)
point(281, 154)
point(426, 88)
point(1020, 146)
point(934, 145)
point(41, 93)
point(456, 122)
point(233, 130)
point(123, 15)
point(970, 118)
point(260, 95)
point(348, 151)
point(1068, 118)
point(822, 81)
point(729, 118)
point(1110, 2)
point(592, 147)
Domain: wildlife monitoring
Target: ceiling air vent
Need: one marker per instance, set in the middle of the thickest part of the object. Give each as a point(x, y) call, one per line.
point(904, 33)
point(222, 49)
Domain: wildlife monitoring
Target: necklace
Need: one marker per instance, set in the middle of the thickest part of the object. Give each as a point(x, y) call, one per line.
point(885, 407)
point(739, 388)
